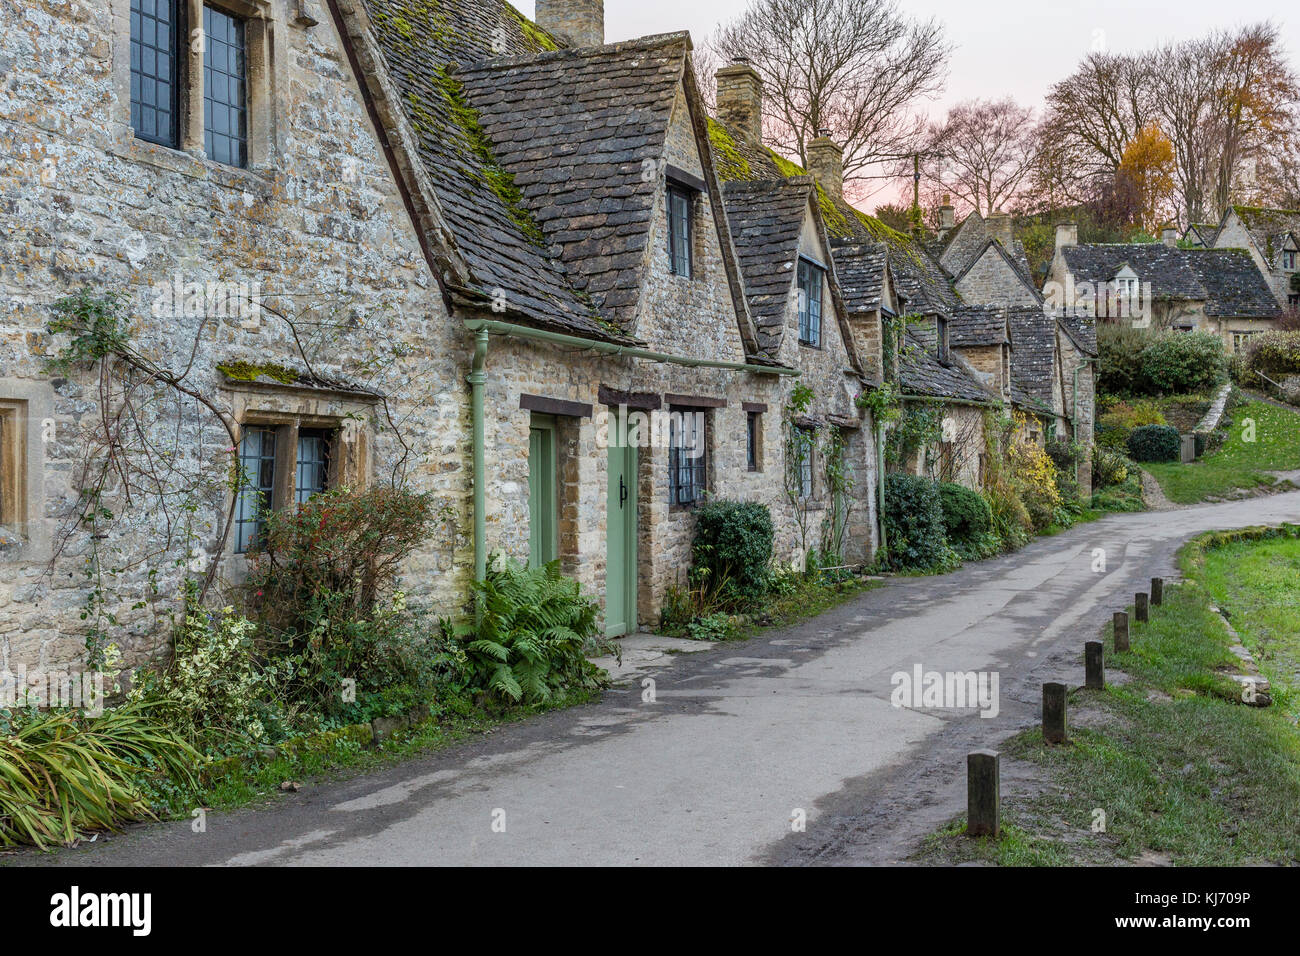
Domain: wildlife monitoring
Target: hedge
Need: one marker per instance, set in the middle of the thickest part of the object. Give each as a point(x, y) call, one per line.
point(1155, 443)
point(914, 525)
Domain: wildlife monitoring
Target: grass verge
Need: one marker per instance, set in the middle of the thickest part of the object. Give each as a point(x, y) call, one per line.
point(1168, 766)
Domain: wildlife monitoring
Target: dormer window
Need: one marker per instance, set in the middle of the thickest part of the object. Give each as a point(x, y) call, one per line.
point(811, 279)
point(941, 339)
point(679, 230)
point(1288, 260)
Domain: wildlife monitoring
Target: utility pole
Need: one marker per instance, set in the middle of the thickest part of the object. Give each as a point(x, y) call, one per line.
point(916, 194)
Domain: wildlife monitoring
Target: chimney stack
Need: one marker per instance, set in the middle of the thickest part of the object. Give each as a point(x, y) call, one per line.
point(1067, 234)
point(740, 99)
point(575, 22)
point(826, 163)
point(947, 216)
point(1169, 236)
point(999, 224)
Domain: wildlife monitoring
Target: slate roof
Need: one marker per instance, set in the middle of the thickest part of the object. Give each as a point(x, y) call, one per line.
point(917, 275)
point(861, 271)
point(573, 129)
point(766, 218)
point(1019, 266)
point(500, 243)
point(1033, 352)
point(921, 373)
point(1203, 232)
point(1233, 283)
point(1227, 280)
point(975, 325)
point(964, 246)
point(1082, 330)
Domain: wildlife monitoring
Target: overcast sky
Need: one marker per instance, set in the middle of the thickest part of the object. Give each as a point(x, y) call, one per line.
point(1016, 47)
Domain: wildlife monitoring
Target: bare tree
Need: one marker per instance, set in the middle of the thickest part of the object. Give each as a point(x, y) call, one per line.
point(1095, 112)
point(982, 152)
point(854, 67)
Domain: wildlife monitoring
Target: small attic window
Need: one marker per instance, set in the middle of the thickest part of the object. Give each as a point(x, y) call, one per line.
point(941, 338)
point(1288, 259)
point(680, 209)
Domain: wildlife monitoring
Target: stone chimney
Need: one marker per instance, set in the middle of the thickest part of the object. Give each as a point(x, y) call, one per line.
point(575, 22)
point(826, 163)
point(1067, 234)
point(947, 216)
point(1169, 236)
point(999, 225)
point(740, 99)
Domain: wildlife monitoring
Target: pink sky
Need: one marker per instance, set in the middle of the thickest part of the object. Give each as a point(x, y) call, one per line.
point(1016, 47)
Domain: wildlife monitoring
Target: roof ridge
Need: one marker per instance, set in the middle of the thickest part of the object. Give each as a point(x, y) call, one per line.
point(651, 42)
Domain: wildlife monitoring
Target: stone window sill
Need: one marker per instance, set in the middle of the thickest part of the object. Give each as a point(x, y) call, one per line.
point(195, 166)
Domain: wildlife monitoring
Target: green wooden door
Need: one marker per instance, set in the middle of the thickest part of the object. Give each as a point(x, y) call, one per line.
point(620, 569)
point(543, 544)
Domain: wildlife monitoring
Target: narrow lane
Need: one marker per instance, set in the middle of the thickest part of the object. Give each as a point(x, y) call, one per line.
point(739, 737)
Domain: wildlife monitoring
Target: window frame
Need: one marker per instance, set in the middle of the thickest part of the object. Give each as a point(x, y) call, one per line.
point(1288, 260)
point(243, 109)
point(289, 431)
point(674, 194)
point(698, 466)
point(176, 51)
point(257, 520)
point(754, 441)
point(810, 274)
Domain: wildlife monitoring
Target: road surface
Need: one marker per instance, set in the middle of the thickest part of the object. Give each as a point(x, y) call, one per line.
point(740, 737)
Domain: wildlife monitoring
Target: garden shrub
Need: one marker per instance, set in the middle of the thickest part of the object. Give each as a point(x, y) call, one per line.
point(1035, 481)
point(1119, 363)
point(322, 584)
point(733, 548)
point(219, 693)
point(533, 635)
point(914, 525)
point(1181, 363)
point(1276, 354)
point(966, 515)
point(1155, 443)
point(1108, 468)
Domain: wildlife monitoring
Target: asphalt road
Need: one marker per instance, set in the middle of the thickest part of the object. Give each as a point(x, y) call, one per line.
point(739, 737)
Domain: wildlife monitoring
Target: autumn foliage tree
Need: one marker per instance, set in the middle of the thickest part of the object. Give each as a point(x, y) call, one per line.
point(1147, 166)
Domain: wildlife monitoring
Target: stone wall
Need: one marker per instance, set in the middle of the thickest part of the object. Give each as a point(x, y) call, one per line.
point(315, 226)
point(991, 281)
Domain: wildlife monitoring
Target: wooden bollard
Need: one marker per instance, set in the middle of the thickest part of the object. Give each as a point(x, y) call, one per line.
point(1140, 612)
point(1157, 591)
point(1094, 666)
point(983, 797)
point(1121, 631)
point(1054, 713)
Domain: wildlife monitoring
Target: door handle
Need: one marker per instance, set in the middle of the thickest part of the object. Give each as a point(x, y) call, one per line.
point(622, 491)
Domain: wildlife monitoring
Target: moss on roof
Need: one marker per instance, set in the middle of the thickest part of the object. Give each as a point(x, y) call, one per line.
point(534, 35)
point(493, 175)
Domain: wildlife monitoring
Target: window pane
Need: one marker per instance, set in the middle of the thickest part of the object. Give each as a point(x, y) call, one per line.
point(313, 465)
point(257, 483)
point(154, 81)
point(225, 105)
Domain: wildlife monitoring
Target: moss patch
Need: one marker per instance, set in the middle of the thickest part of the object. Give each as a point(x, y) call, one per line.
point(251, 372)
point(537, 38)
point(731, 165)
point(490, 173)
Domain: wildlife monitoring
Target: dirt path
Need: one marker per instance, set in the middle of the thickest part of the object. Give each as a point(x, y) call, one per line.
point(1153, 495)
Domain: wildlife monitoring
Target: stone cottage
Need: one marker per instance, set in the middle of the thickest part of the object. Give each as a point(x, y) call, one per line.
point(1271, 236)
point(373, 241)
point(1219, 290)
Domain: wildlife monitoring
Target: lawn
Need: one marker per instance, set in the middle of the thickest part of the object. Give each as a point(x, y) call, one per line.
point(1182, 771)
point(1240, 463)
point(1257, 584)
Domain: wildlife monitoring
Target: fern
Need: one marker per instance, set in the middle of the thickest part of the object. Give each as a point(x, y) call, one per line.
point(533, 635)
